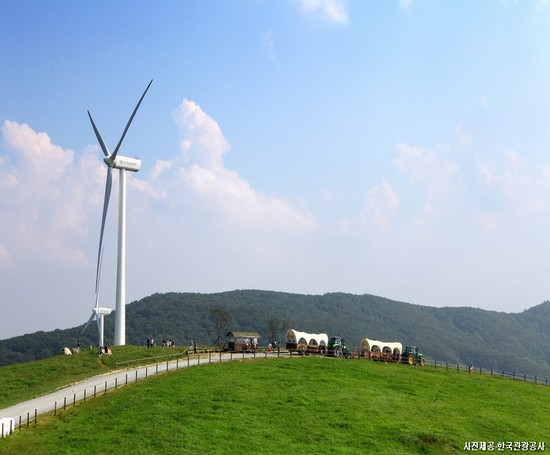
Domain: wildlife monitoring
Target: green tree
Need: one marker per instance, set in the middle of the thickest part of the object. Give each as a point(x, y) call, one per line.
point(273, 329)
point(221, 318)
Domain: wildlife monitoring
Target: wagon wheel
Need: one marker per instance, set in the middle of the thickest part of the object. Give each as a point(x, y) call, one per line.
point(411, 359)
point(422, 362)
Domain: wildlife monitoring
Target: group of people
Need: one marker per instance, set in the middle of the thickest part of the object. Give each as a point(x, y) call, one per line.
point(169, 343)
point(165, 343)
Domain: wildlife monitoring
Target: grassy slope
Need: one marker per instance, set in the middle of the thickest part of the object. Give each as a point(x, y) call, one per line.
point(25, 381)
point(298, 405)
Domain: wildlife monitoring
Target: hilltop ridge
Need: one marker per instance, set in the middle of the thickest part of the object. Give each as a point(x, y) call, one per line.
point(503, 341)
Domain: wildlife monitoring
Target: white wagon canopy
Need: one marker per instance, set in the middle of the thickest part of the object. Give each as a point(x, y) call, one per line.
point(393, 348)
point(303, 341)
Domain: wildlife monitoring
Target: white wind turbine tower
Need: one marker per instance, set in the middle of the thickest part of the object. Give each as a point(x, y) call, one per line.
point(123, 164)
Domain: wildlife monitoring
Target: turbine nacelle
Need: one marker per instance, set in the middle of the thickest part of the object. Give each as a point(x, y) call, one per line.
point(102, 310)
point(123, 162)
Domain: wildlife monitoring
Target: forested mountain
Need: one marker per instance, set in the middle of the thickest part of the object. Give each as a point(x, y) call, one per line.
point(504, 341)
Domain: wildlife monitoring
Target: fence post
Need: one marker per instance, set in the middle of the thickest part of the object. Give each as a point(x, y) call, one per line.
point(35, 415)
point(74, 399)
point(64, 403)
point(105, 391)
point(209, 356)
point(126, 378)
point(198, 359)
point(19, 423)
point(95, 390)
point(54, 411)
point(28, 417)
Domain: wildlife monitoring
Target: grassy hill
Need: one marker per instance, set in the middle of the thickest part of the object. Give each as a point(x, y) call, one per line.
point(24, 381)
point(296, 405)
point(502, 341)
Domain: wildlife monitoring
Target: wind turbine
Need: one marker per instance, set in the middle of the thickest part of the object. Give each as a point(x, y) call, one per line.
point(98, 314)
point(123, 164)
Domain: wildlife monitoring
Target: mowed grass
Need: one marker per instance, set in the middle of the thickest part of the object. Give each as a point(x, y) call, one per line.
point(296, 405)
point(24, 381)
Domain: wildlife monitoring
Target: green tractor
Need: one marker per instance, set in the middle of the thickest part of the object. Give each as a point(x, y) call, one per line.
point(412, 356)
point(337, 348)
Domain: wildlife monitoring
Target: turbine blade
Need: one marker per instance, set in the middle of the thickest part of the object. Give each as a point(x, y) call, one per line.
point(108, 185)
point(99, 138)
point(113, 156)
point(88, 323)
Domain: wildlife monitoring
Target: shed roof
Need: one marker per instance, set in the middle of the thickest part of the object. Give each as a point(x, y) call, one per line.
point(243, 335)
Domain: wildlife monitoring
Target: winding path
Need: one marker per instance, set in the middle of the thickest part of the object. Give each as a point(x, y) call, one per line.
point(26, 412)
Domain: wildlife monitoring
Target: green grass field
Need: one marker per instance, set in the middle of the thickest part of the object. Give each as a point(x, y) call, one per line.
point(24, 381)
point(296, 405)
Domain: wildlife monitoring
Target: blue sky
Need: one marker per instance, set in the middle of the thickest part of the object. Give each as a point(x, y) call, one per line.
point(397, 148)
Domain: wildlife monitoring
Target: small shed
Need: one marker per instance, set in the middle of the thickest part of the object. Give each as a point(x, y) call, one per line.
point(242, 341)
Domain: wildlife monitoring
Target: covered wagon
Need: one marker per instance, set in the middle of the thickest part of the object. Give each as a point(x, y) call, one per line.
point(381, 350)
point(306, 343)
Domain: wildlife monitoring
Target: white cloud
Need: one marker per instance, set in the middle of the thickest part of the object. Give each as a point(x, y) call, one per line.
point(405, 4)
point(202, 141)
point(485, 172)
point(268, 44)
point(205, 174)
point(43, 198)
point(522, 191)
point(51, 198)
point(462, 137)
point(159, 168)
point(333, 11)
point(432, 169)
point(380, 202)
